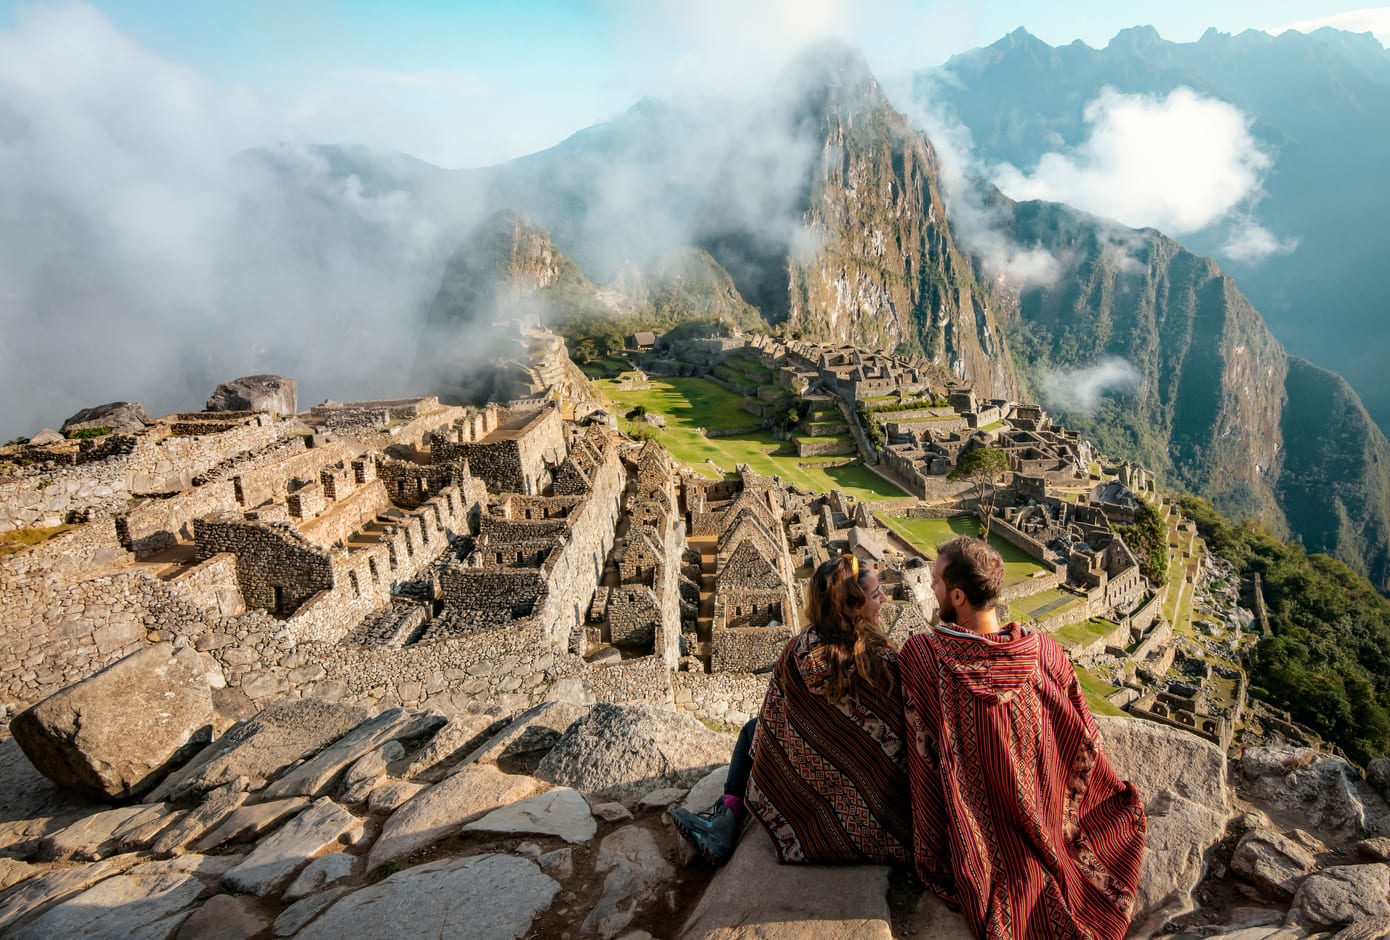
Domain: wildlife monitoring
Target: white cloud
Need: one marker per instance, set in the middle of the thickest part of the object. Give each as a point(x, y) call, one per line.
point(979, 227)
point(142, 259)
point(1081, 390)
point(1178, 164)
point(1250, 242)
point(1374, 20)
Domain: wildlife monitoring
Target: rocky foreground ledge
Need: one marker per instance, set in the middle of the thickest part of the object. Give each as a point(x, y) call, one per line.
point(319, 820)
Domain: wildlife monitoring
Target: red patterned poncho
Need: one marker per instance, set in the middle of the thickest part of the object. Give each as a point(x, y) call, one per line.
point(1018, 816)
point(829, 779)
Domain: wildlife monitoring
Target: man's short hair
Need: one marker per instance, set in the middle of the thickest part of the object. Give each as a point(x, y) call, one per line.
point(971, 565)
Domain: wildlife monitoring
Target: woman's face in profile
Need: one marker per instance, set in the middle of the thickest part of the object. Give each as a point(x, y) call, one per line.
point(874, 596)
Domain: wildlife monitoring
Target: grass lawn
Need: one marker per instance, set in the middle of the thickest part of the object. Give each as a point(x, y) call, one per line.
point(1095, 690)
point(1042, 604)
point(609, 368)
point(926, 534)
point(1074, 634)
point(692, 403)
point(16, 540)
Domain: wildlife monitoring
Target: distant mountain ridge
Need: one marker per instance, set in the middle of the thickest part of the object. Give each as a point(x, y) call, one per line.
point(1320, 105)
point(833, 224)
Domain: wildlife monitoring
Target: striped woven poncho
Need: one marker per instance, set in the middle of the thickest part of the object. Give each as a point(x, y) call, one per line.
point(1018, 816)
point(829, 780)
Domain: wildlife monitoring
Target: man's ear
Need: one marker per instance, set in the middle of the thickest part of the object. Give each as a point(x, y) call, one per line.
point(959, 600)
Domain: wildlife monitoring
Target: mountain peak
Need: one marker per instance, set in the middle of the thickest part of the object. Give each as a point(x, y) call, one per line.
point(1136, 38)
point(831, 63)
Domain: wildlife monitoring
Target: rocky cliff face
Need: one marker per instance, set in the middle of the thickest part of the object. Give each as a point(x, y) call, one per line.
point(872, 259)
point(1218, 403)
point(1210, 390)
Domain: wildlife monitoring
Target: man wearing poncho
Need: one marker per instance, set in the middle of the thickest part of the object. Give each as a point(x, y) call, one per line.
point(1019, 819)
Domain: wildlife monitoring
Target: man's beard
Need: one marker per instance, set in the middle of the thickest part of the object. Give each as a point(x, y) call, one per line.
point(945, 613)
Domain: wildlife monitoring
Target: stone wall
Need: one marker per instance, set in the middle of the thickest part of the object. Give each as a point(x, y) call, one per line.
point(1032, 546)
point(752, 649)
point(61, 618)
point(213, 586)
point(278, 569)
point(725, 698)
point(834, 447)
point(156, 462)
point(346, 517)
point(516, 457)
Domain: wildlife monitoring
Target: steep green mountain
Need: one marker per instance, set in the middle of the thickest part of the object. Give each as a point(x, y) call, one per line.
point(1219, 407)
point(871, 259)
point(1320, 107)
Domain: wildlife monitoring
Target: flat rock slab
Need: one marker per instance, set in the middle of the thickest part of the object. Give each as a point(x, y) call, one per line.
point(316, 776)
point(13, 871)
point(463, 735)
point(1344, 895)
point(116, 733)
point(1182, 779)
point(636, 869)
point(623, 751)
point(707, 790)
point(755, 898)
point(560, 812)
point(223, 917)
point(1272, 862)
point(442, 810)
point(219, 804)
point(293, 918)
point(369, 770)
point(528, 738)
point(483, 897)
point(321, 873)
point(248, 822)
point(390, 795)
point(123, 417)
point(260, 747)
point(45, 888)
point(85, 839)
point(276, 860)
point(138, 907)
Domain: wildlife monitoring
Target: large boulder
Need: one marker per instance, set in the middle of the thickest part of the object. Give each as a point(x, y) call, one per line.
point(623, 751)
point(1304, 788)
point(273, 393)
point(1182, 780)
point(122, 417)
point(1344, 896)
point(755, 897)
point(115, 734)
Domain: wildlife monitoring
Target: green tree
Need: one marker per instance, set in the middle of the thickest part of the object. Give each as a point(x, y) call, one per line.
point(985, 468)
point(1148, 539)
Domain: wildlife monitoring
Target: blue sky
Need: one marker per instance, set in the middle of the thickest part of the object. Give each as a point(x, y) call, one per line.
point(470, 83)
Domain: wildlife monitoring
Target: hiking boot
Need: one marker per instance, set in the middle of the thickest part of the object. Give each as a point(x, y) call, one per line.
point(714, 833)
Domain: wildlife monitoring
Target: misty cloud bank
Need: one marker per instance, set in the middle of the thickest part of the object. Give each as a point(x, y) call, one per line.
point(1080, 390)
point(142, 258)
point(1180, 164)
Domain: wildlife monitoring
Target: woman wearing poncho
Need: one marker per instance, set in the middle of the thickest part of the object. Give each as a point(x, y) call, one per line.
point(826, 773)
point(1019, 819)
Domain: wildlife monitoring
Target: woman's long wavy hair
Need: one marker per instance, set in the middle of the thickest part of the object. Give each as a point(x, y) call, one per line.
point(836, 605)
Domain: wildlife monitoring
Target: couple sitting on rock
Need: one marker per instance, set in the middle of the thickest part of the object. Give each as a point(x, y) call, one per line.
point(971, 751)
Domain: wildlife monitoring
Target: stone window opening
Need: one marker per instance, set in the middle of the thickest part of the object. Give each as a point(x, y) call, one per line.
point(279, 599)
point(356, 588)
point(371, 566)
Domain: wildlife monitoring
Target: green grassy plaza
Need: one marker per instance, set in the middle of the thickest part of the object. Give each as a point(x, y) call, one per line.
point(688, 404)
point(926, 534)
